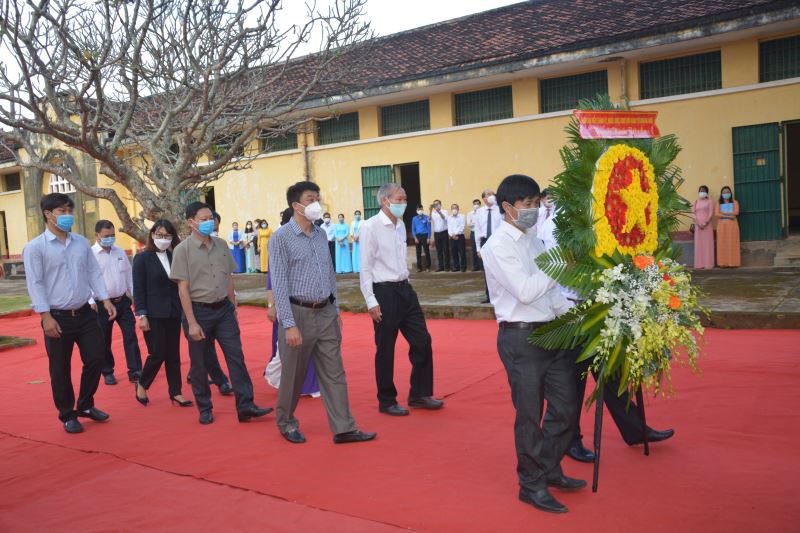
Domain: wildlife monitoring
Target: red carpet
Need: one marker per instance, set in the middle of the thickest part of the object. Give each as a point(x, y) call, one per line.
point(731, 466)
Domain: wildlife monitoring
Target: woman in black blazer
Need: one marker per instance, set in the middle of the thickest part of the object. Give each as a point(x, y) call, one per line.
point(158, 307)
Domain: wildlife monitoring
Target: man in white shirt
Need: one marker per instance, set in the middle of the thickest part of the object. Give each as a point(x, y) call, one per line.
point(393, 304)
point(487, 219)
point(117, 274)
point(626, 414)
point(458, 243)
point(472, 221)
point(525, 299)
point(330, 233)
point(440, 237)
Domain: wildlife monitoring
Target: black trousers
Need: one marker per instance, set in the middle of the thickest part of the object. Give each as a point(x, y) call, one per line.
point(535, 375)
point(458, 251)
point(332, 250)
point(164, 347)
point(485, 284)
point(477, 264)
point(84, 330)
point(442, 241)
point(215, 372)
point(127, 324)
point(220, 325)
point(628, 419)
point(422, 246)
point(401, 312)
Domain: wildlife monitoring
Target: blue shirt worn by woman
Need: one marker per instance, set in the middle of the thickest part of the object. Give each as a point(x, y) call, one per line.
point(343, 263)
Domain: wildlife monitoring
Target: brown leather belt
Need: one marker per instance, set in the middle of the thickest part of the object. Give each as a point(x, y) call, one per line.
point(310, 305)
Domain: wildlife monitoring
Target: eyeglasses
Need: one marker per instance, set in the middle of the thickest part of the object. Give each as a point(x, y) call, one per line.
point(162, 236)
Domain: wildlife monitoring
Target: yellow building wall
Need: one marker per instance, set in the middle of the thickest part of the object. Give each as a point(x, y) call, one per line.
point(13, 205)
point(739, 63)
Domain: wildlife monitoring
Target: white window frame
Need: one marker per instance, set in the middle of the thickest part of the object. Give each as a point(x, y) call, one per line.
point(59, 184)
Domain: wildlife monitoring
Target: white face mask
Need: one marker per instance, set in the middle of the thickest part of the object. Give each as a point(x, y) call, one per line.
point(454, 211)
point(327, 220)
point(492, 199)
point(162, 244)
point(312, 211)
point(420, 212)
point(703, 194)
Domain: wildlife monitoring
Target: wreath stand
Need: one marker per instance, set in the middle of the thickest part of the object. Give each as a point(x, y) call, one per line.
point(598, 431)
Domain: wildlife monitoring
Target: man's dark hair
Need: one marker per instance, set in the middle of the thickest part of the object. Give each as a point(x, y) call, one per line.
point(103, 224)
point(54, 200)
point(419, 206)
point(476, 201)
point(515, 188)
point(294, 192)
point(326, 215)
point(217, 217)
point(545, 192)
point(167, 225)
point(194, 207)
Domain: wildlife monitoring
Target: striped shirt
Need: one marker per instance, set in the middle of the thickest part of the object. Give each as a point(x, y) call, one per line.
point(300, 267)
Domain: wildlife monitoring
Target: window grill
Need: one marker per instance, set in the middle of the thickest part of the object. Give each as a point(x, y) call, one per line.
point(681, 75)
point(483, 106)
point(558, 94)
point(59, 184)
point(404, 118)
point(779, 59)
point(286, 141)
point(339, 129)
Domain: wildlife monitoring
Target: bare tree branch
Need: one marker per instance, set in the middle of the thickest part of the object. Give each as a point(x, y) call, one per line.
point(150, 89)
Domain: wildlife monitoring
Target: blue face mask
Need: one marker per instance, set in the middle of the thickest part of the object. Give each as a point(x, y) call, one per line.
point(205, 227)
point(64, 222)
point(107, 242)
point(726, 195)
point(358, 217)
point(397, 209)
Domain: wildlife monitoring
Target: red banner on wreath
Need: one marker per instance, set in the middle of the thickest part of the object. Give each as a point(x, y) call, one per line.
point(617, 124)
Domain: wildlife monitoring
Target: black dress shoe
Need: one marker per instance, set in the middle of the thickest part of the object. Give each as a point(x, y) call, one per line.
point(225, 389)
point(394, 410)
point(566, 483)
point(253, 412)
point(206, 418)
point(353, 436)
point(95, 414)
point(439, 270)
point(542, 500)
point(579, 453)
point(294, 436)
point(110, 379)
point(73, 426)
point(427, 402)
point(653, 435)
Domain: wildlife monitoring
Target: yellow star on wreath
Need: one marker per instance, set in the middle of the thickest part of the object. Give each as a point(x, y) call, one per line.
point(637, 201)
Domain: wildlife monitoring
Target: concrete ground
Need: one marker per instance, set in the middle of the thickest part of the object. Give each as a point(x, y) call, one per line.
point(737, 298)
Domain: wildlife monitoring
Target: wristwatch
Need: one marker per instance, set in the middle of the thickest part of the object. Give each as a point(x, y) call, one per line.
point(270, 305)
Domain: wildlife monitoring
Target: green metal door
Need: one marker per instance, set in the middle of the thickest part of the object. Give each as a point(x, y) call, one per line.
point(757, 180)
point(371, 180)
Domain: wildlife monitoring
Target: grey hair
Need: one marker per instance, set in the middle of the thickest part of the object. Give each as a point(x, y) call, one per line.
point(386, 190)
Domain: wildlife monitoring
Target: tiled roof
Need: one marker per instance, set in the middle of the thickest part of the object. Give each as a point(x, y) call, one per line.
point(537, 28)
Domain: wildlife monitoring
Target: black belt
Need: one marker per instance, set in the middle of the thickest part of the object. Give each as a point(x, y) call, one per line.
point(213, 305)
point(70, 312)
point(521, 325)
point(401, 283)
point(117, 300)
point(310, 305)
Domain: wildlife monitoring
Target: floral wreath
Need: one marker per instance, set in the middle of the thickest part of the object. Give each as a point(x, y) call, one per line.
point(625, 202)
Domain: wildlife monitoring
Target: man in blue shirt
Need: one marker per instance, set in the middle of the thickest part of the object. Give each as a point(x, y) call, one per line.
point(62, 273)
point(421, 231)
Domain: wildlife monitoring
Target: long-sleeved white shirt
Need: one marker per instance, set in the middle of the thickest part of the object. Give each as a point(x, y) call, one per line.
point(482, 220)
point(61, 275)
point(455, 225)
point(116, 269)
point(383, 254)
point(439, 220)
point(518, 290)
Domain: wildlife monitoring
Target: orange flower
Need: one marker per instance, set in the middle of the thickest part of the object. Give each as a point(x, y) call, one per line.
point(674, 302)
point(643, 261)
